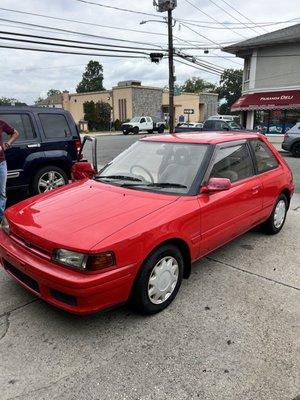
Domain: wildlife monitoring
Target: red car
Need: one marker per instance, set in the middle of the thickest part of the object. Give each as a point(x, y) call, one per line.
point(132, 231)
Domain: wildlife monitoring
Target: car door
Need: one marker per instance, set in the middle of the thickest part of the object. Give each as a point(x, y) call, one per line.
point(269, 171)
point(227, 214)
point(28, 143)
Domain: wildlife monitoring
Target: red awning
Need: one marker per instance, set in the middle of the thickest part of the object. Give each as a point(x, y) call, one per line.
point(268, 101)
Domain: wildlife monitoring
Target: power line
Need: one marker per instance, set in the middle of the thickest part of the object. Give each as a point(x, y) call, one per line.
point(254, 24)
point(196, 67)
point(242, 15)
point(77, 33)
point(232, 16)
point(214, 19)
point(118, 8)
point(68, 52)
point(81, 22)
point(72, 46)
point(71, 41)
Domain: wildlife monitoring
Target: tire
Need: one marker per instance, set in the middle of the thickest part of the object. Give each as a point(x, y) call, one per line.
point(296, 150)
point(125, 132)
point(150, 131)
point(275, 222)
point(44, 176)
point(145, 297)
point(135, 130)
point(161, 129)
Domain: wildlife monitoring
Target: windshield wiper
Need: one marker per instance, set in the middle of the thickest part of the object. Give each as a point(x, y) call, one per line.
point(120, 177)
point(159, 185)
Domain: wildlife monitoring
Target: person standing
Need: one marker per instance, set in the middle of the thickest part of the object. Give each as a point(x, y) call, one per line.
point(4, 127)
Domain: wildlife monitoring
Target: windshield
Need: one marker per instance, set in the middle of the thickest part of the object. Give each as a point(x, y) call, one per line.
point(156, 166)
point(234, 125)
point(136, 119)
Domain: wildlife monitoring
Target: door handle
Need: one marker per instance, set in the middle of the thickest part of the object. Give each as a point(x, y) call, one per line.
point(30, 146)
point(255, 188)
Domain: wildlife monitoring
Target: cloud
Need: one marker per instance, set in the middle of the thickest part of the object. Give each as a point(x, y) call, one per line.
point(26, 75)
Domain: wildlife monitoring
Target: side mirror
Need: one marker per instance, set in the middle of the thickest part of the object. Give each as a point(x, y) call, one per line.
point(216, 185)
point(82, 170)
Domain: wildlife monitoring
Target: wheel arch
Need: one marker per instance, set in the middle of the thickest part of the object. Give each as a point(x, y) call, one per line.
point(184, 249)
point(287, 194)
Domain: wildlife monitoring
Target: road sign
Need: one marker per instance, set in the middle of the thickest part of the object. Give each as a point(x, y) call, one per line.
point(189, 111)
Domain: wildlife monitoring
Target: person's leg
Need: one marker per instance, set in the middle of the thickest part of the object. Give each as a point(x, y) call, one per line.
point(3, 179)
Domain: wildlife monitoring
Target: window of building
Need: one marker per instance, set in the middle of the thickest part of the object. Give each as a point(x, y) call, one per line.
point(234, 163)
point(275, 121)
point(265, 159)
point(20, 122)
point(291, 118)
point(247, 69)
point(122, 109)
point(55, 126)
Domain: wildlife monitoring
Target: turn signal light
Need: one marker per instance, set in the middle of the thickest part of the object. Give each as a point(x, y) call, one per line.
point(100, 261)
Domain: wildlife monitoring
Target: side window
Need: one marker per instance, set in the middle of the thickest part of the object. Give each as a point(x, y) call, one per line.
point(149, 120)
point(143, 120)
point(265, 159)
point(234, 163)
point(55, 126)
point(20, 122)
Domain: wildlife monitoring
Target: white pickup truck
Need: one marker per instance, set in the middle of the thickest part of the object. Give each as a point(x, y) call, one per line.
point(139, 124)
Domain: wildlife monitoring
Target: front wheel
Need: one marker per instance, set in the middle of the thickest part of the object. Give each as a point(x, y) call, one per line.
point(135, 130)
point(158, 281)
point(296, 150)
point(277, 219)
point(47, 179)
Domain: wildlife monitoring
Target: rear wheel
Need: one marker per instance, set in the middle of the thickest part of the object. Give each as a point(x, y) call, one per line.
point(296, 150)
point(277, 219)
point(161, 129)
point(47, 179)
point(150, 131)
point(125, 132)
point(158, 281)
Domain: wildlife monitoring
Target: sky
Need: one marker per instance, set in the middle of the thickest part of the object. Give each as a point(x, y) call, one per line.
point(28, 75)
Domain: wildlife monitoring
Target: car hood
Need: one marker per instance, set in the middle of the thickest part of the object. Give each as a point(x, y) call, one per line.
point(81, 215)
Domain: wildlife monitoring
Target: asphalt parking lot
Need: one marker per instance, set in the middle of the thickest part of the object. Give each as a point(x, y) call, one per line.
point(231, 334)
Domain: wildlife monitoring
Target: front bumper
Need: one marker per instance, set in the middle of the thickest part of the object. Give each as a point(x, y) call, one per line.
point(73, 291)
point(285, 146)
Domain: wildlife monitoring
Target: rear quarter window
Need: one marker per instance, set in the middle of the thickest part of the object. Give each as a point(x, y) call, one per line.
point(55, 126)
point(264, 158)
point(21, 123)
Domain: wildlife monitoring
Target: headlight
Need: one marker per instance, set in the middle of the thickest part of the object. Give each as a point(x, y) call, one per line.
point(83, 261)
point(5, 225)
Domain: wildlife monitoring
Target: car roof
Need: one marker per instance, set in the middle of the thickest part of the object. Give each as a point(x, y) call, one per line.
point(204, 137)
point(34, 109)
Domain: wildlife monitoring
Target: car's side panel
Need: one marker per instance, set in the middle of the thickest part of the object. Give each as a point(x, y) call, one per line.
point(227, 214)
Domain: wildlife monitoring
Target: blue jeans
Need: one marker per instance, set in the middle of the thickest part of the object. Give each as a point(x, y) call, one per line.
point(3, 179)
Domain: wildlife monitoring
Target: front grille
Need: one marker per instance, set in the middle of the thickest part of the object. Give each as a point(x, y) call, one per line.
point(31, 247)
point(27, 280)
point(64, 298)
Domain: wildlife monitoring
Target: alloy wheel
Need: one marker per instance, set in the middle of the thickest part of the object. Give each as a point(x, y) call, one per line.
point(49, 181)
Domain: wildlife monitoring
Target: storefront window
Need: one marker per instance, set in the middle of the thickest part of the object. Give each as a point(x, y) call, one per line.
point(276, 122)
point(261, 121)
point(291, 118)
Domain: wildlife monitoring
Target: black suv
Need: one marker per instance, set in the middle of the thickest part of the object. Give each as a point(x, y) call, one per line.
point(42, 158)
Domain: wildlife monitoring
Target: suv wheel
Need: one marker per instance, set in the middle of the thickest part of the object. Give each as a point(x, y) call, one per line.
point(48, 178)
point(158, 281)
point(135, 130)
point(277, 219)
point(296, 150)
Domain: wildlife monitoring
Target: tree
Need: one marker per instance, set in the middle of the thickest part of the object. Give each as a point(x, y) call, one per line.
point(52, 92)
point(6, 101)
point(92, 78)
point(97, 114)
point(230, 89)
point(103, 115)
point(197, 85)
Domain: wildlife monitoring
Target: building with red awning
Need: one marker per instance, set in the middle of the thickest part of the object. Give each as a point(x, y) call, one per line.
point(270, 99)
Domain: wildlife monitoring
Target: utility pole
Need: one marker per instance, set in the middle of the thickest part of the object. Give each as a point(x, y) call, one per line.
point(171, 71)
point(169, 6)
